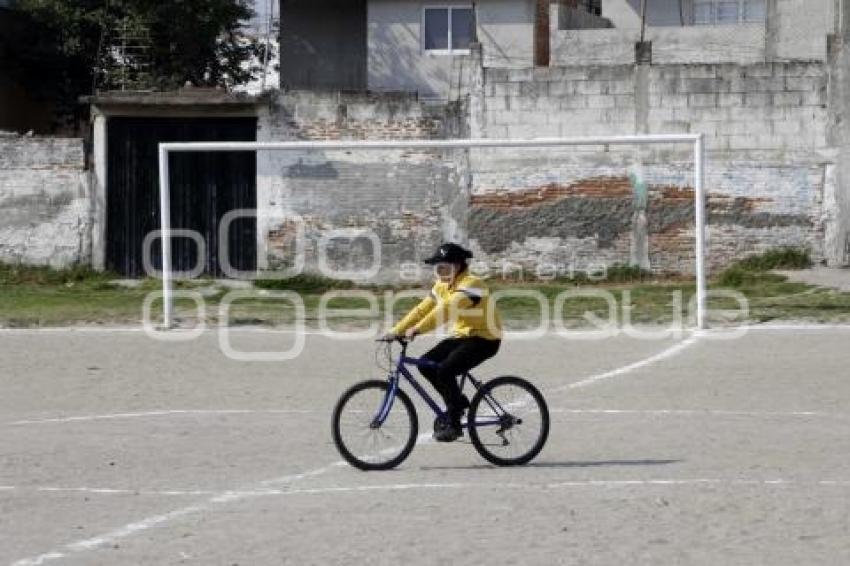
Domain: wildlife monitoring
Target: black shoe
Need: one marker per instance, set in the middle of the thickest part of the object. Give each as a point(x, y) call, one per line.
point(446, 430)
point(449, 433)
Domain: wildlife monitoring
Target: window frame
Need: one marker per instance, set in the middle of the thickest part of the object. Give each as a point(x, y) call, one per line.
point(591, 6)
point(712, 9)
point(718, 4)
point(450, 8)
point(742, 10)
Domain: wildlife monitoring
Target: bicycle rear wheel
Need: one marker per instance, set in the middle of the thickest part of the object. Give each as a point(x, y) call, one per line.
point(508, 421)
point(361, 440)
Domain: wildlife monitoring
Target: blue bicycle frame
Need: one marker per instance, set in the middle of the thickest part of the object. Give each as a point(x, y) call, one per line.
point(401, 370)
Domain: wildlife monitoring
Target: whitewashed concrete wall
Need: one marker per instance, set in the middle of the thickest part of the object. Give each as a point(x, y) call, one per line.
point(621, 14)
point(398, 60)
point(45, 201)
point(412, 200)
point(742, 43)
point(797, 29)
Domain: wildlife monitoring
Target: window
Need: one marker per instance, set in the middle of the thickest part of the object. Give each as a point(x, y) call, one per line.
point(754, 11)
point(592, 6)
point(720, 12)
point(448, 29)
point(727, 12)
point(703, 13)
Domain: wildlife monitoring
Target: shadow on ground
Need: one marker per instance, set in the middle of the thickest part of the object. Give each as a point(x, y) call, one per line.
point(578, 464)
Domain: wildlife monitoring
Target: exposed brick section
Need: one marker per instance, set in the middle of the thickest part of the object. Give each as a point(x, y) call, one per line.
point(405, 197)
point(606, 187)
point(410, 128)
point(765, 126)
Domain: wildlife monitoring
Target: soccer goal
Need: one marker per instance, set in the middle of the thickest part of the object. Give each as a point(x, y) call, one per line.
point(589, 196)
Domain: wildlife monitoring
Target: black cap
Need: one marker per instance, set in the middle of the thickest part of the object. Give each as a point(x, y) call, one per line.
point(449, 253)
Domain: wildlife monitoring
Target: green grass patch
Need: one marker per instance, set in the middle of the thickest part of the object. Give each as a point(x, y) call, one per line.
point(41, 296)
point(11, 274)
point(304, 283)
point(754, 269)
point(780, 258)
point(621, 273)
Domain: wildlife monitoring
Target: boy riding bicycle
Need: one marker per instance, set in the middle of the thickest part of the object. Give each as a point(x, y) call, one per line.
point(476, 335)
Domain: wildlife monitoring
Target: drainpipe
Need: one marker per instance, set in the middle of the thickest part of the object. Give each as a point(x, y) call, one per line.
point(771, 31)
point(475, 22)
point(541, 33)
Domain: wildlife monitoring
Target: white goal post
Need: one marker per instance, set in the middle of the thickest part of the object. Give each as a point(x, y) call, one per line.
point(696, 140)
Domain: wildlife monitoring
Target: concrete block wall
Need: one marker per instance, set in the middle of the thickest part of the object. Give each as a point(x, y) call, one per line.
point(768, 154)
point(768, 106)
point(559, 101)
point(741, 44)
point(45, 201)
point(793, 30)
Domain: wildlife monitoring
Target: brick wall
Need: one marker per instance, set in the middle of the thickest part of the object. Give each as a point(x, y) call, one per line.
point(45, 201)
point(765, 127)
point(773, 176)
point(410, 200)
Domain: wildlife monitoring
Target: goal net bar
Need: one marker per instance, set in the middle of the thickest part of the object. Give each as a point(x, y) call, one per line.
point(696, 141)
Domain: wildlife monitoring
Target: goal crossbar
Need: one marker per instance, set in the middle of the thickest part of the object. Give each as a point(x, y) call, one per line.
point(697, 142)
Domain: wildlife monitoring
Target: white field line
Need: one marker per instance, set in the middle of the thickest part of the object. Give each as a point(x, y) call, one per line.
point(230, 496)
point(654, 359)
point(160, 413)
point(669, 352)
point(114, 491)
point(156, 520)
point(555, 410)
point(222, 497)
point(139, 329)
point(561, 485)
point(206, 330)
point(236, 495)
point(701, 413)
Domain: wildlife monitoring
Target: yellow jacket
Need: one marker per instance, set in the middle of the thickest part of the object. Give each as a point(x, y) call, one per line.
point(466, 302)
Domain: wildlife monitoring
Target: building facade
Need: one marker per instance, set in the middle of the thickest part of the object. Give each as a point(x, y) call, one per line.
point(767, 83)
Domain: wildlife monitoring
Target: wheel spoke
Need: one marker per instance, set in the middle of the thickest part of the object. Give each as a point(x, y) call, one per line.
point(510, 442)
point(360, 442)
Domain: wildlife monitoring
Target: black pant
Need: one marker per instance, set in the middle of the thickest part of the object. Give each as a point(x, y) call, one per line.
point(456, 356)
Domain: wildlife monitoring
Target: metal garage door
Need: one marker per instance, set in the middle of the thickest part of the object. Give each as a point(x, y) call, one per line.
point(204, 186)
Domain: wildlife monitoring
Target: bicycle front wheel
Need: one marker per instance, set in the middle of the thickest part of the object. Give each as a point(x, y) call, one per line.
point(361, 439)
point(508, 421)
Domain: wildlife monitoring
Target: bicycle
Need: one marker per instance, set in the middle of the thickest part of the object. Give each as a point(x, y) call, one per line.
point(504, 412)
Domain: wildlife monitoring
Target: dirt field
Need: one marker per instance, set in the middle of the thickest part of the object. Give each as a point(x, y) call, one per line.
point(120, 449)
